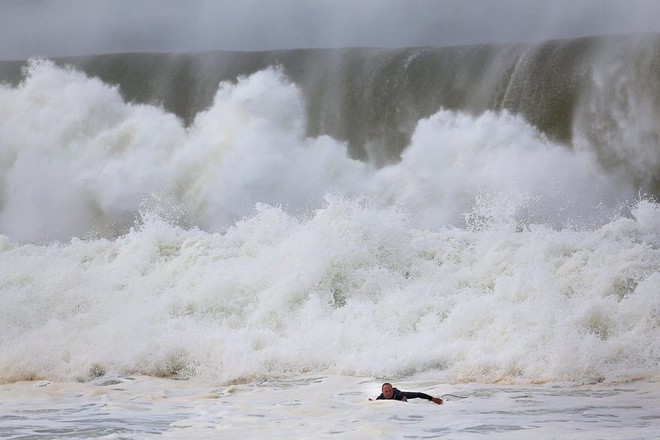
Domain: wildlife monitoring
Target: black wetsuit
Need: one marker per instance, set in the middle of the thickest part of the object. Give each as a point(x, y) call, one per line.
point(399, 395)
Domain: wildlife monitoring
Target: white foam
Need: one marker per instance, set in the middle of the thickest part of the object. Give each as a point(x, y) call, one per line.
point(350, 289)
point(294, 257)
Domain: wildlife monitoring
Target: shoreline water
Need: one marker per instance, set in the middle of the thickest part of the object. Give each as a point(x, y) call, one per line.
point(327, 406)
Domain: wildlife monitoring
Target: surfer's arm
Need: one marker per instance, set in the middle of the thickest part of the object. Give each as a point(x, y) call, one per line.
point(414, 395)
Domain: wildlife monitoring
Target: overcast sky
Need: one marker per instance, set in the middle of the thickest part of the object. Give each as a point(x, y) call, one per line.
point(77, 27)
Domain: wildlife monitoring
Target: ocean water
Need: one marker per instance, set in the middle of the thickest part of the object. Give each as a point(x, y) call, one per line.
point(326, 407)
point(255, 260)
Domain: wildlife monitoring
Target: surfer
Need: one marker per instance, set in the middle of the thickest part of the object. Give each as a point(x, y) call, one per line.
point(389, 392)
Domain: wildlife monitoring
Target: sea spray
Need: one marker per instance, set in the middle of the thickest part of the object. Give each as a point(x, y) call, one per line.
point(104, 158)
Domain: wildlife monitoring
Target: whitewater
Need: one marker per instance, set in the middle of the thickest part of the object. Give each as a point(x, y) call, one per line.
point(234, 275)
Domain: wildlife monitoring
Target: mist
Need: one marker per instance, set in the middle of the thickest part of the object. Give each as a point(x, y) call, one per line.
point(30, 28)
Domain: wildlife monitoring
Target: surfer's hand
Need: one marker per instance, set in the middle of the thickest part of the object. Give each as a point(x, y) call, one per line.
point(437, 400)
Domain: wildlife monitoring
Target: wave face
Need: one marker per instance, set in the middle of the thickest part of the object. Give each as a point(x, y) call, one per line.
point(598, 93)
point(486, 213)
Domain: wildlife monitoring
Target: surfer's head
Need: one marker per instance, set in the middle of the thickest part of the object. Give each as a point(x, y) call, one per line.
point(387, 390)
